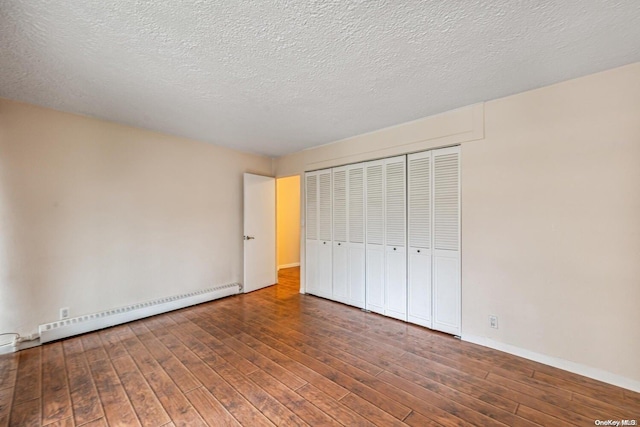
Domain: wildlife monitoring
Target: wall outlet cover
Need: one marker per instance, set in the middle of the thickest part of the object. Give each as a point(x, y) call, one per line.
point(493, 321)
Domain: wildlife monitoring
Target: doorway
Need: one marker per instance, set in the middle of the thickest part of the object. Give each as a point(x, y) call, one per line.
point(288, 222)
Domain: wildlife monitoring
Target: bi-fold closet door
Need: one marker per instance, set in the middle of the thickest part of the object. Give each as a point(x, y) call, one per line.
point(386, 279)
point(434, 239)
point(348, 235)
point(318, 265)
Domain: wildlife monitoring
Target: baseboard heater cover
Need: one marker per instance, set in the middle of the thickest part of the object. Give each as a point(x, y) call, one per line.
point(104, 319)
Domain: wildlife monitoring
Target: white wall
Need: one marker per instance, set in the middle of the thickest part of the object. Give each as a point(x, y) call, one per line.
point(550, 216)
point(95, 215)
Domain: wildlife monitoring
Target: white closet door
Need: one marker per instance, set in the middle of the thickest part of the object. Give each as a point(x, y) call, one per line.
point(340, 233)
point(356, 257)
point(446, 240)
point(311, 230)
point(395, 237)
point(374, 214)
point(324, 272)
point(419, 230)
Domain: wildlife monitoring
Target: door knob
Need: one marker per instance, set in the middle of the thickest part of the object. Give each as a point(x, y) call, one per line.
point(249, 237)
point(418, 250)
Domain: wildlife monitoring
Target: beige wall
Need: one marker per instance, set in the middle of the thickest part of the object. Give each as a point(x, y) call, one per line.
point(551, 222)
point(95, 215)
point(550, 216)
point(454, 127)
point(288, 212)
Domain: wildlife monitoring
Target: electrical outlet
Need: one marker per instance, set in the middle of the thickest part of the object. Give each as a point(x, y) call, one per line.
point(64, 313)
point(493, 321)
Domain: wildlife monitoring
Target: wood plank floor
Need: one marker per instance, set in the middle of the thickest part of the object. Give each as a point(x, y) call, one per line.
point(275, 357)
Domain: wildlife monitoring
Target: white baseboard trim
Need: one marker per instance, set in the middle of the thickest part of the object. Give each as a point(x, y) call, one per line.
point(295, 264)
point(556, 362)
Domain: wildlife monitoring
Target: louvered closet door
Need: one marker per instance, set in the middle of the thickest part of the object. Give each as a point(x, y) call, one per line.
point(395, 238)
point(324, 273)
point(340, 235)
point(356, 233)
point(446, 240)
point(419, 237)
point(374, 214)
point(311, 230)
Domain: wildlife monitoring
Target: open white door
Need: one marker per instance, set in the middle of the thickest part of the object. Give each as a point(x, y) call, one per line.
point(259, 232)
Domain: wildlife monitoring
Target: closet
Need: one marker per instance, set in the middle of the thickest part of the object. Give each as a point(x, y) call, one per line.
point(384, 235)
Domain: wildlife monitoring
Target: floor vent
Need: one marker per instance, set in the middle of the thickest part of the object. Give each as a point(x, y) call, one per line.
point(104, 319)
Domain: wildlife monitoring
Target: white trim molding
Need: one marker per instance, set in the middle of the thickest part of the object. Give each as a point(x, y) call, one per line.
point(556, 362)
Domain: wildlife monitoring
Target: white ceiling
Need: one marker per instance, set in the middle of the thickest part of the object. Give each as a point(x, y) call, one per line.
point(278, 76)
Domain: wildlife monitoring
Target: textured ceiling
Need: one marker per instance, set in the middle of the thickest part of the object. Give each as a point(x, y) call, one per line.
point(278, 76)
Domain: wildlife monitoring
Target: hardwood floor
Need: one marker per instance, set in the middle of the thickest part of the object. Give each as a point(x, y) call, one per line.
point(277, 357)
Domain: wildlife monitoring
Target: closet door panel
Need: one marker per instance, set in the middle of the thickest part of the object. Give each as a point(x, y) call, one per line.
point(395, 238)
point(446, 240)
point(325, 261)
point(356, 234)
point(374, 214)
point(311, 231)
point(340, 254)
point(419, 238)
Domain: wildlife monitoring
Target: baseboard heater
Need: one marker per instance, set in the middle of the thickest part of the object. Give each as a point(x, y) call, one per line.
point(104, 319)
